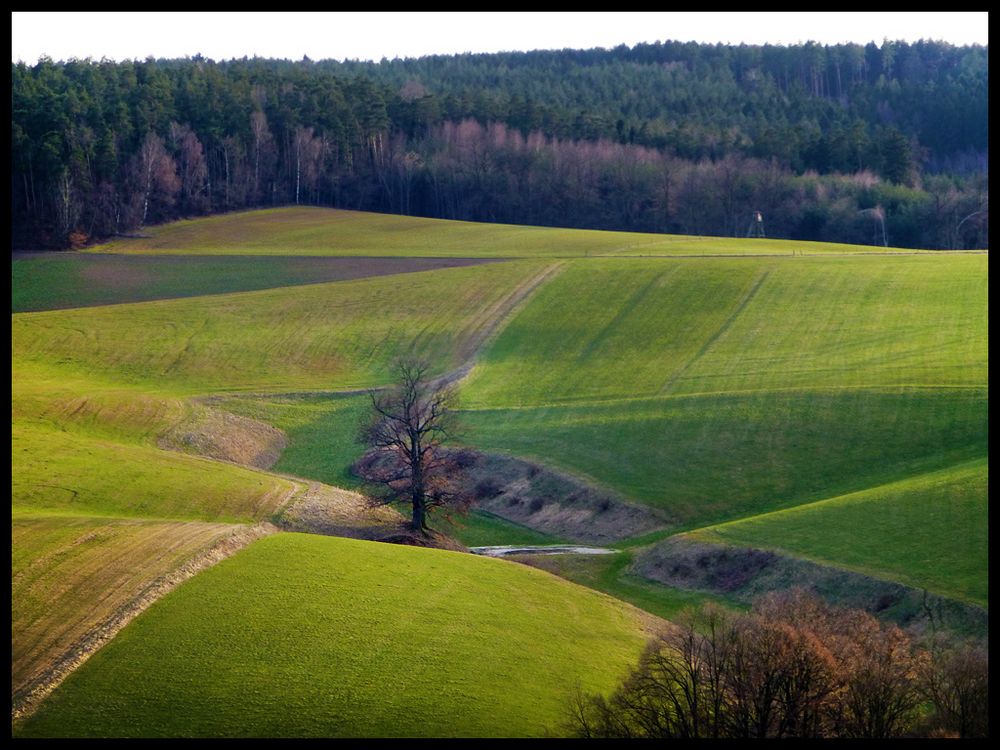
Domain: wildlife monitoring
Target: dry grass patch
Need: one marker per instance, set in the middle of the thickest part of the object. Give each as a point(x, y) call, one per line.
point(76, 579)
point(224, 436)
point(335, 512)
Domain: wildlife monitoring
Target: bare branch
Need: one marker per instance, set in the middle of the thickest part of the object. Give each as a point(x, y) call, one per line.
point(405, 431)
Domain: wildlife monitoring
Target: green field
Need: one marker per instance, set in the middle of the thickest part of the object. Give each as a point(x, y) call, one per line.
point(355, 639)
point(71, 573)
point(710, 458)
point(100, 514)
point(322, 336)
point(84, 446)
point(63, 280)
point(829, 402)
point(890, 531)
point(721, 389)
point(608, 329)
point(328, 231)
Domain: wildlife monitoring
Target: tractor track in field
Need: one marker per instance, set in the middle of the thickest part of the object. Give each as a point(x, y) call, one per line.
point(710, 341)
point(492, 323)
point(484, 331)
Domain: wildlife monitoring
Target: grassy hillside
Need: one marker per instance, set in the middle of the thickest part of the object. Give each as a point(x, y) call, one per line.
point(87, 446)
point(625, 329)
point(717, 457)
point(100, 514)
point(828, 406)
point(62, 472)
point(328, 231)
point(62, 280)
point(928, 531)
point(354, 639)
point(94, 390)
point(322, 336)
point(71, 573)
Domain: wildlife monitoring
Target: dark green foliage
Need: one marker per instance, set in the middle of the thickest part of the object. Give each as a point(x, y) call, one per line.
point(657, 137)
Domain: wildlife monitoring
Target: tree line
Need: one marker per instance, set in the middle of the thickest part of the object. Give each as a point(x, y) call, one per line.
point(846, 143)
point(793, 667)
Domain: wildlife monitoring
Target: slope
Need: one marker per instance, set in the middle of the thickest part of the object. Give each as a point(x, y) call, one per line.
point(927, 531)
point(356, 639)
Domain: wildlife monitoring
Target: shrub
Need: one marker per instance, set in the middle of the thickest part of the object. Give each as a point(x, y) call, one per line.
point(488, 489)
point(791, 667)
point(78, 239)
point(955, 679)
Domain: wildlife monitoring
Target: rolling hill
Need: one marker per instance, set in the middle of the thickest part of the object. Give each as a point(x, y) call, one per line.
point(824, 401)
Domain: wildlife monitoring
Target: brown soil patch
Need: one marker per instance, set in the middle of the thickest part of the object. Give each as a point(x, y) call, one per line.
point(332, 511)
point(224, 436)
point(744, 574)
point(556, 503)
point(323, 509)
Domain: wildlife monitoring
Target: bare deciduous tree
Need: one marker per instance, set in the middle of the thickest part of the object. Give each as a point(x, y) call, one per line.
point(192, 169)
point(261, 141)
point(155, 175)
point(308, 156)
point(956, 680)
point(405, 430)
point(792, 667)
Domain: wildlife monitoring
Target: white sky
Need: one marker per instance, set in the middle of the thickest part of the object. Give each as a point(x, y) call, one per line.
point(372, 36)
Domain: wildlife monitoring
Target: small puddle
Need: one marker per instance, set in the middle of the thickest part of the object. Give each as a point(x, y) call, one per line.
point(549, 549)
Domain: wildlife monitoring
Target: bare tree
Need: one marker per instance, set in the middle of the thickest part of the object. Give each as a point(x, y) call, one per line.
point(308, 159)
point(880, 692)
point(956, 680)
point(68, 205)
point(791, 667)
point(261, 140)
point(155, 175)
point(192, 169)
point(405, 430)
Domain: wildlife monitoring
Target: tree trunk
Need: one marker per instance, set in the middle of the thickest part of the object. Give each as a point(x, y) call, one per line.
point(419, 522)
point(298, 173)
point(225, 154)
point(256, 174)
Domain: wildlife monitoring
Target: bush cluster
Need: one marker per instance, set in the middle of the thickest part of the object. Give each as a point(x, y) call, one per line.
point(793, 667)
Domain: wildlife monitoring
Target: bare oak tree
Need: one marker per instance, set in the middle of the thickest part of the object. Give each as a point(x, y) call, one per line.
point(406, 462)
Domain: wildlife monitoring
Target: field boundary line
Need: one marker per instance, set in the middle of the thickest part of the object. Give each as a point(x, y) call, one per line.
point(27, 700)
point(812, 254)
point(966, 464)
